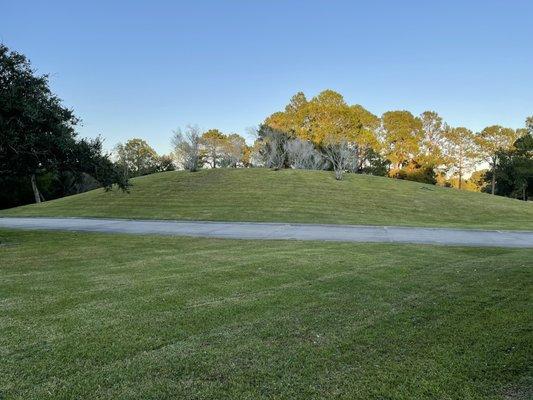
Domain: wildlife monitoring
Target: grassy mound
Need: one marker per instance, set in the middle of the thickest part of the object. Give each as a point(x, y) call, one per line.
point(291, 196)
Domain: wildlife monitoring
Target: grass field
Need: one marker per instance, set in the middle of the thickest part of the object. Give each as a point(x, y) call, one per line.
point(146, 317)
point(291, 196)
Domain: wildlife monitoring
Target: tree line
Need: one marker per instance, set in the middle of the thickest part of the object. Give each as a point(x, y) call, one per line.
point(327, 133)
point(192, 150)
point(41, 156)
point(398, 143)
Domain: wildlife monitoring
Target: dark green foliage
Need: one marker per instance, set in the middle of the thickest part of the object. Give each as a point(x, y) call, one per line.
point(15, 191)
point(36, 130)
point(514, 172)
point(87, 157)
point(136, 158)
point(417, 173)
point(37, 135)
point(85, 168)
point(165, 163)
point(377, 164)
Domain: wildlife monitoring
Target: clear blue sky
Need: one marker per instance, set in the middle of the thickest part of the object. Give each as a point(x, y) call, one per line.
point(141, 69)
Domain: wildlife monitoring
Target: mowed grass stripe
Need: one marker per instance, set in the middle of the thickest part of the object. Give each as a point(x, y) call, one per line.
point(291, 196)
point(113, 316)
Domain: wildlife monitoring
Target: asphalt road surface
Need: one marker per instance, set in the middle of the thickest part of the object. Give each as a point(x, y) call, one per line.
point(281, 231)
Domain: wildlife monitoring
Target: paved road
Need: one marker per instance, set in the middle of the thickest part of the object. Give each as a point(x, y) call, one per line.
point(253, 230)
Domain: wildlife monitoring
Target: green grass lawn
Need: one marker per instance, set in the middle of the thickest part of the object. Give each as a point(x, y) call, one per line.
point(291, 196)
point(146, 317)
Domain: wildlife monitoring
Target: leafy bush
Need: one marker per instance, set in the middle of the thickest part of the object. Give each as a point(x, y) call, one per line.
point(417, 173)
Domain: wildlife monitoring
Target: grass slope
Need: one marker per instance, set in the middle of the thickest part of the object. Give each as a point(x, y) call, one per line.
point(291, 196)
point(131, 317)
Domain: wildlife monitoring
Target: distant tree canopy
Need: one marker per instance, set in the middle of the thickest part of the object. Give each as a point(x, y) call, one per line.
point(492, 141)
point(434, 139)
point(513, 175)
point(350, 138)
point(344, 134)
point(220, 150)
point(187, 148)
point(37, 133)
point(136, 157)
point(402, 137)
point(458, 151)
point(212, 143)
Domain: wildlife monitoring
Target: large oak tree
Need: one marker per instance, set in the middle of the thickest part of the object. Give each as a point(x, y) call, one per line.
point(37, 133)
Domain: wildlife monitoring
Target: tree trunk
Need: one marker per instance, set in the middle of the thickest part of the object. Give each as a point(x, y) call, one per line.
point(460, 179)
point(493, 184)
point(36, 192)
point(338, 172)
